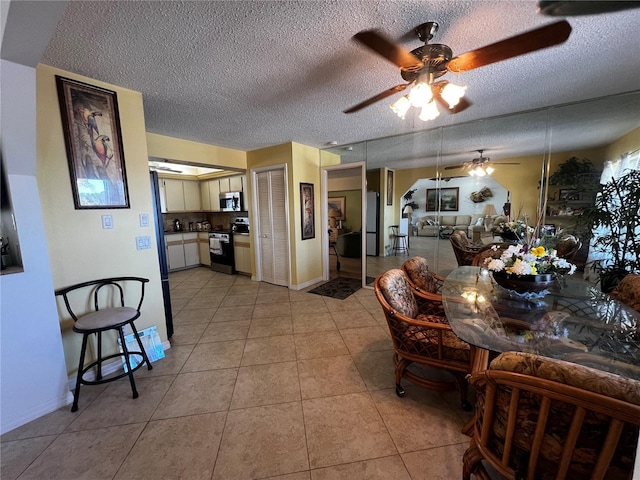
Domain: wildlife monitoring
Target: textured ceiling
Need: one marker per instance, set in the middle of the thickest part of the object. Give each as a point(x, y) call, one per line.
point(250, 74)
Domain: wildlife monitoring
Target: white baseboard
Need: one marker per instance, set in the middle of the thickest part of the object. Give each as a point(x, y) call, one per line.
point(300, 286)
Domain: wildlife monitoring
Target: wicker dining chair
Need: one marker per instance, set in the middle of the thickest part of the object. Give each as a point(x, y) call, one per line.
point(421, 335)
point(483, 254)
point(463, 249)
point(420, 277)
point(628, 291)
point(539, 418)
point(568, 246)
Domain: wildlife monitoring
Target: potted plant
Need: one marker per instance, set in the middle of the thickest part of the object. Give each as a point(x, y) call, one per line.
point(574, 171)
point(408, 199)
point(616, 220)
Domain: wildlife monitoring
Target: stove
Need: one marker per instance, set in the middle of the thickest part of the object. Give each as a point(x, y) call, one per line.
point(221, 252)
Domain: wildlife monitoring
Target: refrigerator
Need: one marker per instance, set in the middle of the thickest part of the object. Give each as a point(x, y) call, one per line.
point(156, 200)
point(373, 215)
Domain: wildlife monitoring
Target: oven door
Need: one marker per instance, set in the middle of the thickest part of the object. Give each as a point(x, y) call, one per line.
point(221, 251)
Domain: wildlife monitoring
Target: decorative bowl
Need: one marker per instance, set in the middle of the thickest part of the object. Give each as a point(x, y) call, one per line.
point(524, 283)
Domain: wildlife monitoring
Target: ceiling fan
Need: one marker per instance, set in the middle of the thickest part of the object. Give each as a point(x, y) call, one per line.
point(479, 166)
point(430, 61)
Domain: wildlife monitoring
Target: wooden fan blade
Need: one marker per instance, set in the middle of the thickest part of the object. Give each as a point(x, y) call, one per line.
point(463, 104)
point(451, 167)
point(381, 45)
point(527, 42)
point(377, 98)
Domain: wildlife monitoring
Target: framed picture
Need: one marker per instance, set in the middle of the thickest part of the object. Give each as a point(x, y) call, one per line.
point(568, 194)
point(389, 187)
point(91, 127)
point(307, 207)
point(338, 204)
point(442, 199)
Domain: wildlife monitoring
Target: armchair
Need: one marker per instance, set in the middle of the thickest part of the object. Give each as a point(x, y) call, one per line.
point(541, 418)
point(463, 249)
point(422, 335)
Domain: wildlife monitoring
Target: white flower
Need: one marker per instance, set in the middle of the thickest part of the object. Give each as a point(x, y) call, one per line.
point(520, 268)
point(495, 265)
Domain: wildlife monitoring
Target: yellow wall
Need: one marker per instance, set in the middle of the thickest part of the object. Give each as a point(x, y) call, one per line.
point(172, 148)
point(328, 159)
point(625, 144)
point(79, 249)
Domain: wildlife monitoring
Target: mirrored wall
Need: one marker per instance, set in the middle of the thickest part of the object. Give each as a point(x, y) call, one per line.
point(524, 150)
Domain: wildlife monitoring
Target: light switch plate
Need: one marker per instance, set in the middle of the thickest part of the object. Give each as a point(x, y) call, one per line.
point(142, 243)
point(107, 222)
point(144, 219)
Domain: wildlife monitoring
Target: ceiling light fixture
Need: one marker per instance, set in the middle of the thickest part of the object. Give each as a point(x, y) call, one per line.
point(424, 94)
point(481, 171)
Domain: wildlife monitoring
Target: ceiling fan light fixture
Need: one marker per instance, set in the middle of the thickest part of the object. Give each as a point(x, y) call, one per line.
point(452, 94)
point(401, 107)
point(420, 95)
point(429, 112)
point(489, 170)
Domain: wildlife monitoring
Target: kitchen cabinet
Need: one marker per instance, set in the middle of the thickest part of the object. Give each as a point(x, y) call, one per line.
point(225, 185)
point(235, 183)
point(181, 195)
point(191, 251)
point(214, 195)
point(205, 196)
point(203, 248)
point(182, 250)
point(242, 253)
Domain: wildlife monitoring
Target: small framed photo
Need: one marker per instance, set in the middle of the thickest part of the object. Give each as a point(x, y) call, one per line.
point(91, 127)
point(336, 206)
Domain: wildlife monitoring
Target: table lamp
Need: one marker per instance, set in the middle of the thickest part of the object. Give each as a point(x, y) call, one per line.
point(408, 211)
point(333, 214)
point(489, 214)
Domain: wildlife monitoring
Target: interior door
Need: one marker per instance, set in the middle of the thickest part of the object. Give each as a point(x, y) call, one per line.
point(273, 240)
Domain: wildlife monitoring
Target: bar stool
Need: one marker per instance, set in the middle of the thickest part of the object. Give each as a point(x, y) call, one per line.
point(400, 240)
point(101, 320)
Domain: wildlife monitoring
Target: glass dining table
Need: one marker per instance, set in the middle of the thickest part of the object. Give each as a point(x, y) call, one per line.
point(571, 321)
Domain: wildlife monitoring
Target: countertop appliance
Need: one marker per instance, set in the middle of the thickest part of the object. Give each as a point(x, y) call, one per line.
point(221, 252)
point(231, 202)
point(177, 225)
point(240, 226)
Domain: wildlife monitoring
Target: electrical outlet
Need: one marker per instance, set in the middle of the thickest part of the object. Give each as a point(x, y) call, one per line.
point(142, 243)
point(107, 222)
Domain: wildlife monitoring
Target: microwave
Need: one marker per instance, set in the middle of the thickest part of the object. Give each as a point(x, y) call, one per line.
point(231, 202)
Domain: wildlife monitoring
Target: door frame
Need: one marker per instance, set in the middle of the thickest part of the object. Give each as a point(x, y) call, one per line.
point(255, 233)
point(324, 181)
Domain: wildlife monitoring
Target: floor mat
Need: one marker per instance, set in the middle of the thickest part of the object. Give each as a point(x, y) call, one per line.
point(339, 288)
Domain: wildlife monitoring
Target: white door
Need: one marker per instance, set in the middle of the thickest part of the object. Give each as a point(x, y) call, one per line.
point(272, 227)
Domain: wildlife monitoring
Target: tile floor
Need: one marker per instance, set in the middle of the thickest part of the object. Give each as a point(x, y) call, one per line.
point(260, 382)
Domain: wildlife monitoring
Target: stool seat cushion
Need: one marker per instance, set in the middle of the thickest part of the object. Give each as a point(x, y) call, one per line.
point(106, 318)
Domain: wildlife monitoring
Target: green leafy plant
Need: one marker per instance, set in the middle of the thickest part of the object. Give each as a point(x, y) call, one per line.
point(616, 216)
point(573, 172)
point(408, 199)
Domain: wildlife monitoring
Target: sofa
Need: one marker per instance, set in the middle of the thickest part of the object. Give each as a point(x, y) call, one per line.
point(473, 225)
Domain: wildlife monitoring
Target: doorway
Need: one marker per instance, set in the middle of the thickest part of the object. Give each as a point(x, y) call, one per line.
point(344, 214)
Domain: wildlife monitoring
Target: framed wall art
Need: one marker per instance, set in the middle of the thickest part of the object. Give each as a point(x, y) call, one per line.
point(91, 127)
point(389, 187)
point(307, 207)
point(338, 205)
point(442, 199)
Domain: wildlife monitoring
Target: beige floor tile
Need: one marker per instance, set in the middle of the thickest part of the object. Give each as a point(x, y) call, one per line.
point(178, 304)
point(188, 316)
point(251, 289)
point(198, 392)
point(366, 339)
point(204, 301)
point(219, 281)
point(261, 442)
point(265, 287)
point(188, 334)
point(323, 344)
point(314, 305)
point(312, 322)
point(270, 327)
point(354, 318)
point(231, 314)
point(16, 456)
point(369, 302)
point(190, 284)
point(115, 406)
point(223, 331)
point(429, 464)
point(344, 428)
point(181, 292)
point(272, 297)
point(302, 296)
point(376, 369)
point(266, 385)
point(272, 310)
point(385, 468)
point(268, 350)
point(321, 377)
point(292, 476)
point(420, 420)
point(189, 447)
point(171, 364)
point(238, 300)
point(212, 356)
point(338, 306)
point(90, 455)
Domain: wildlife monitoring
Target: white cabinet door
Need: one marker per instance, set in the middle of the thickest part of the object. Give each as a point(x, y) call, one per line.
point(175, 195)
point(214, 194)
point(163, 196)
point(191, 196)
point(225, 185)
point(205, 197)
point(191, 251)
point(175, 251)
point(203, 247)
point(235, 183)
point(242, 253)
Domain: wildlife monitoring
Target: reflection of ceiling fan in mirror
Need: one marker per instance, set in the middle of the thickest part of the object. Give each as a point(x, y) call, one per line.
point(479, 166)
point(421, 66)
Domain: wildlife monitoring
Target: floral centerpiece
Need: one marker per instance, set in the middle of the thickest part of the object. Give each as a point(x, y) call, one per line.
point(527, 268)
point(515, 230)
